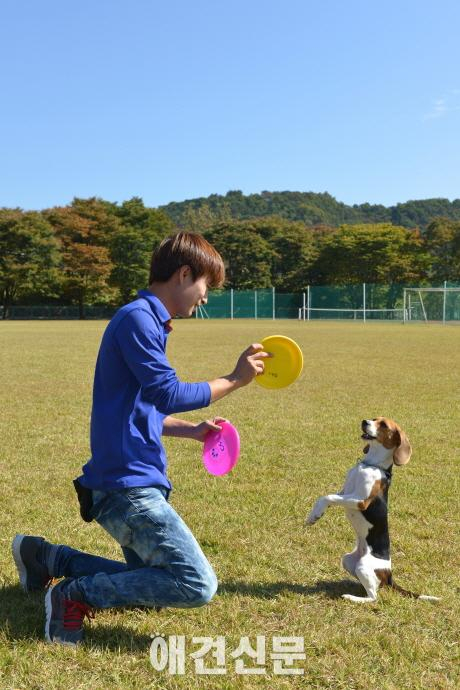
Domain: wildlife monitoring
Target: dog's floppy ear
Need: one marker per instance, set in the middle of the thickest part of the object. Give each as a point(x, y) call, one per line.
point(403, 451)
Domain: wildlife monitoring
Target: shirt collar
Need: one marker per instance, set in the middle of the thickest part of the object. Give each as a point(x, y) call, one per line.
point(158, 308)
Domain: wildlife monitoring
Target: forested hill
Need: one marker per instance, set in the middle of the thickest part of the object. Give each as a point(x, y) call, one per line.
point(310, 208)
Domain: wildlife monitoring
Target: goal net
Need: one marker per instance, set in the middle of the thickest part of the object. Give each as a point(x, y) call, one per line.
point(432, 304)
point(312, 313)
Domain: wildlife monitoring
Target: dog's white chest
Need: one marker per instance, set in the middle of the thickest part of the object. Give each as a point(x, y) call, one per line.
point(358, 522)
point(360, 480)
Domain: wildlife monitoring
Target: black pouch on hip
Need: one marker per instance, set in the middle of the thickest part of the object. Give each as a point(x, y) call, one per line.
point(85, 499)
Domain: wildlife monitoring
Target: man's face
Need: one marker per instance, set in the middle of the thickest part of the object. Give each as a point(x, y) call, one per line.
point(192, 293)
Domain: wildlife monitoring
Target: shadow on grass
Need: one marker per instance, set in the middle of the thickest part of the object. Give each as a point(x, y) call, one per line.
point(22, 617)
point(117, 638)
point(333, 589)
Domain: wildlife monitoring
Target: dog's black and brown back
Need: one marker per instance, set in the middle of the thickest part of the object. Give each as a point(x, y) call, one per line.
point(376, 514)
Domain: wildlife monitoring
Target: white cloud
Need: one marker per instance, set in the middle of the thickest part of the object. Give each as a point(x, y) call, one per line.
point(442, 106)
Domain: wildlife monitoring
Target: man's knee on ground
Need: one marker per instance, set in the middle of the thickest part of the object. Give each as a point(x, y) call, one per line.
point(206, 592)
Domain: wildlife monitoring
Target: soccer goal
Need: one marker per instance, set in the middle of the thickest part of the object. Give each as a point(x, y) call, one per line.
point(201, 313)
point(431, 304)
point(312, 313)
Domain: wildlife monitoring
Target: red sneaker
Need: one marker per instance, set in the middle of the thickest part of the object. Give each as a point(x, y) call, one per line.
point(64, 616)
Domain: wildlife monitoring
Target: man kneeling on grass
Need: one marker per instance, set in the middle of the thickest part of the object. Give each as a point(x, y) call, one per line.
point(124, 486)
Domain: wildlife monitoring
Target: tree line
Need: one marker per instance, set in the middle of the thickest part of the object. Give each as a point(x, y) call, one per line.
point(312, 209)
point(97, 252)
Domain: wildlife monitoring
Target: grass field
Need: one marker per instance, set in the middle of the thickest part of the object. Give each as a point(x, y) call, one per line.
point(276, 577)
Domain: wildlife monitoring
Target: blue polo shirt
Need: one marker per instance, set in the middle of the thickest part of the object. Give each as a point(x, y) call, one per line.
point(135, 388)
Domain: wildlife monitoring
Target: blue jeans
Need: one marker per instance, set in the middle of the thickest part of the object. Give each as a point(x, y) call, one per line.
point(164, 564)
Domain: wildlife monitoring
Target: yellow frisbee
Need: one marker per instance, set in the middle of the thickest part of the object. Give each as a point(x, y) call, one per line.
point(286, 364)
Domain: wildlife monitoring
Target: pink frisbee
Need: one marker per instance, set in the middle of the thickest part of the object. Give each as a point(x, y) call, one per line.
point(221, 449)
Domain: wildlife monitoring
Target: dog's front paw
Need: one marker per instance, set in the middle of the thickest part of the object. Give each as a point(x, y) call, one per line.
point(310, 519)
point(316, 512)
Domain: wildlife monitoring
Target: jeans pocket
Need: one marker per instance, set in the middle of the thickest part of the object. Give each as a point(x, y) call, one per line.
point(148, 506)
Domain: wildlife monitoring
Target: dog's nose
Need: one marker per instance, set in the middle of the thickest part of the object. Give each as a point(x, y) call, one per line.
point(363, 424)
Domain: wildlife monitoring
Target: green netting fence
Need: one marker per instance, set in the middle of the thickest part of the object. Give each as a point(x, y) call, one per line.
point(251, 304)
point(358, 302)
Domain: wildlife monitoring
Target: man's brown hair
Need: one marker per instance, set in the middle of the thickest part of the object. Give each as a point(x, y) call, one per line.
point(187, 249)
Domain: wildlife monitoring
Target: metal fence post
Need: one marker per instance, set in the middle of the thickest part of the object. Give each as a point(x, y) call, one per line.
point(364, 302)
point(444, 303)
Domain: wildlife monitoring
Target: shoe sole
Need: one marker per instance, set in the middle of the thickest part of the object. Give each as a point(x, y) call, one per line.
point(16, 550)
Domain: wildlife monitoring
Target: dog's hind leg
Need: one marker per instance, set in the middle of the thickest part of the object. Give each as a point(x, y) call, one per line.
point(350, 561)
point(366, 575)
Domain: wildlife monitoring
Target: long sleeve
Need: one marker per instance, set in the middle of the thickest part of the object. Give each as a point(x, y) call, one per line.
point(142, 346)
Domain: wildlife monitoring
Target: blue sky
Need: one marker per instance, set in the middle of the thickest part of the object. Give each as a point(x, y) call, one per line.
point(185, 98)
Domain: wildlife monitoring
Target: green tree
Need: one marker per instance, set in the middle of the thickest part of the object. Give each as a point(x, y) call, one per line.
point(247, 256)
point(293, 251)
point(130, 252)
point(381, 253)
point(100, 216)
point(86, 264)
point(311, 208)
point(442, 239)
point(131, 245)
point(28, 256)
point(134, 214)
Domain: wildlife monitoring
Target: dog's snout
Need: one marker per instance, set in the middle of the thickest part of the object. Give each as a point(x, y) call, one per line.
point(364, 424)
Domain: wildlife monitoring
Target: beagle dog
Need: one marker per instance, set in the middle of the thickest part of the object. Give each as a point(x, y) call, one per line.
point(365, 499)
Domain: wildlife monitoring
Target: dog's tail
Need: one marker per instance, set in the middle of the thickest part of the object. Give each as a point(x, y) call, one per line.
point(413, 595)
